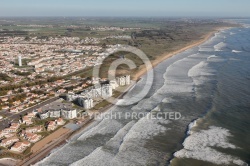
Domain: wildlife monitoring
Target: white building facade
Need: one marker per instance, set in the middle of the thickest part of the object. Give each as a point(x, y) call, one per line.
point(86, 103)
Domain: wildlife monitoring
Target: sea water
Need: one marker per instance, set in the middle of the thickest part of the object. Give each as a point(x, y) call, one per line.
point(208, 85)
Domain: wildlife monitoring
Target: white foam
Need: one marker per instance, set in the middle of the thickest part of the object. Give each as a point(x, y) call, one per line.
point(168, 100)
point(220, 46)
point(191, 126)
point(132, 149)
point(205, 47)
point(212, 56)
point(199, 146)
point(201, 69)
point(128, 144)
point(235, 51)
point(176, 81)
point(103, 155)
point(95, 158)
point(106, 126)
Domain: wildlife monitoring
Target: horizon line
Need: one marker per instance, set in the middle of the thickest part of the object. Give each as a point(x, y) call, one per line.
point(218, 17)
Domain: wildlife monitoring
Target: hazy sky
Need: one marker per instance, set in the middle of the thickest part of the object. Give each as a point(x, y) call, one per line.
point(219, 8)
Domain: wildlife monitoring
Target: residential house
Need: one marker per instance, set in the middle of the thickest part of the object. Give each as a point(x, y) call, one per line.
point(2, 134)
point(8, 135)
point(35, 129)
point(31, 115)
point(9, 141)
point(5, 107)
point(4, 99)
point(17, 102)
point(13, 128)
point(20, 146)
point(60, 121)
point(31, 137)
point(51, 126)
point(27, 120)
point(61, 91)
point(14, 110)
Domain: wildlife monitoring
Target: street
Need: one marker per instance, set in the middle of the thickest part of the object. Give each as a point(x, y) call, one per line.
point(6, 122)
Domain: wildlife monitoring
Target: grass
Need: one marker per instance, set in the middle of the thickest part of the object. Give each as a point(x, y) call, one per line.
point(7, 154)
point(100, 105)
point(104, 103)
point(157, 36)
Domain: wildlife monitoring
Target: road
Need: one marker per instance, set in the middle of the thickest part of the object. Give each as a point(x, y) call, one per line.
point(44, 151)
point(6, 122)
point(37, 156)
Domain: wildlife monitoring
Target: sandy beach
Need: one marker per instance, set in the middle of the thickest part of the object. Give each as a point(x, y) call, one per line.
point(165, 56)
point(44, 147)
point(57, 134)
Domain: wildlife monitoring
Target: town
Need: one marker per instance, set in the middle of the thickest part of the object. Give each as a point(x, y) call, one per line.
point(42, 89)
point(24, 132)
point(50, 63)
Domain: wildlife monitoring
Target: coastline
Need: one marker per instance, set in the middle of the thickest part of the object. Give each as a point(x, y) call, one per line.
point(43, 150)
point(165, 56)
point(43, 153)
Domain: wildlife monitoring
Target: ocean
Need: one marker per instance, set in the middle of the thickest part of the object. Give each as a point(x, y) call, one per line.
point(208, 85)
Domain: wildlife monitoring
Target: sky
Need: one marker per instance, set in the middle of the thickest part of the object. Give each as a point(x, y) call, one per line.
point(147, 8)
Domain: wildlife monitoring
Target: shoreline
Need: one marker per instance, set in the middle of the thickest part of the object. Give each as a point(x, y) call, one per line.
point(63, 139)
point(165, 56)
point(43, 153)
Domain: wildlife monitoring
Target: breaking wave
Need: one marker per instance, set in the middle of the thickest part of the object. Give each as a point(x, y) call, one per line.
point(199, 146)
point(220, 46)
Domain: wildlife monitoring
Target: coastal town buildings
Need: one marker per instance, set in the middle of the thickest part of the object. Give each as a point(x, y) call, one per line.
point(51, 126)
point(12, 129)
point(44, 114)
point(113, 84)
point(60, 121)
point(8, 141)
point(34, 129)
point(27, 120)
point(20, 147)
point(102, 88)
point(31, 137)
point(20, 61)
point(57, 113)
point(86, 103)
point(69, 113)
point(123, 80)
point(98, 90)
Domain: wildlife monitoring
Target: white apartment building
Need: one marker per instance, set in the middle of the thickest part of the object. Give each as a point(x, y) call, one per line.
point(69, 113)
point(123, 80)
point(86, 103)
